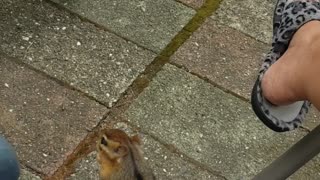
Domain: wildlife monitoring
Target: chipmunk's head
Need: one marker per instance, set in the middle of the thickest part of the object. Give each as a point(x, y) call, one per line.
point(116, 155)
point(114, 145)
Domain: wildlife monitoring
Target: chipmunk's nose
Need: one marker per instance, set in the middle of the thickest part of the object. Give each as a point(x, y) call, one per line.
point(104, 141)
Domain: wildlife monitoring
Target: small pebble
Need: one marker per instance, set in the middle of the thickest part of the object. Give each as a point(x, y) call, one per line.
point(25, 38)
point(201, 135)
point(198, 150)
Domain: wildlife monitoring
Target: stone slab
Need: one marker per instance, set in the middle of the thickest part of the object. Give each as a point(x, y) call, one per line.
point(86, 168)
point(223, 55)
point(42, 120)
point(26, 175)
point(150, 23)
point(253, 17)
point(228, 58)
point(166, 165)
point(196, 4)
point(95, 61)
point(217, 129)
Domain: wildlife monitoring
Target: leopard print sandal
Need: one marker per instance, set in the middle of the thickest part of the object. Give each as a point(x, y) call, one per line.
point(289, 16)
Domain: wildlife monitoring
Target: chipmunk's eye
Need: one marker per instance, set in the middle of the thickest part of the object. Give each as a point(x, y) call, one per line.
point(104, 142)
point(116, 149)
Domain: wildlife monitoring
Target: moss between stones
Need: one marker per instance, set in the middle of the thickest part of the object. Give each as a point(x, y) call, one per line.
point(205, 11)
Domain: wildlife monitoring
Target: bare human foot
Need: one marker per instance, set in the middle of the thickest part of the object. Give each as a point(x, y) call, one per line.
point(293, 77)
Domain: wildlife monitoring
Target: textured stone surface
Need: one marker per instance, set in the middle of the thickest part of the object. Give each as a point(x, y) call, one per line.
point(213, 127)
point(193, 3)
point(253, 17)
point(150, 23)
point(223, 55)
point(165, 164)
point(26, 175)
point(86, 168)
point(228, 58)
point(90, 59)
point(41, 119)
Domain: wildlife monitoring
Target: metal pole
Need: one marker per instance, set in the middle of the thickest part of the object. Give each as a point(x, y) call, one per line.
point(293, 159)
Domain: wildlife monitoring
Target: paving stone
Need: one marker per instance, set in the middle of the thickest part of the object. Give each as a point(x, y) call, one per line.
point(309, 170)
point(251, 17)
point(165, 164)
point(26, 175)
point(86, 168)
point(209, 125)
point(193, 3)
point(42, 120)
point(150, 23)
point(223, 55)
point(90, 59)
point(227, 57)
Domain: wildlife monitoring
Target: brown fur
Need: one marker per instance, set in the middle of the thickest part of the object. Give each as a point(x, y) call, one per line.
point(120, 157)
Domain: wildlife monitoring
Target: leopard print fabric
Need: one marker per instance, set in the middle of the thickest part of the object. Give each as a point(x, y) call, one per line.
point(289, 16)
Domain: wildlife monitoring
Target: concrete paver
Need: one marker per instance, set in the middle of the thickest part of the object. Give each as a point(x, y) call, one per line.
point(223, 55)
point(189, 124)
point(251, 17)
point(90, 59)
point(43, 120)
point(193, 3)
point(150, 23)
point(26, 175)
point(166, 165)
point(227, 57)
point(215, 128)
point(86, 168)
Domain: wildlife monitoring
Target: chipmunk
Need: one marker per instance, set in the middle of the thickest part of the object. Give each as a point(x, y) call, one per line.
point(120, 157)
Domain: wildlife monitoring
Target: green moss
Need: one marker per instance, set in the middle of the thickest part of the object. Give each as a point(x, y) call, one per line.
point(204, 12)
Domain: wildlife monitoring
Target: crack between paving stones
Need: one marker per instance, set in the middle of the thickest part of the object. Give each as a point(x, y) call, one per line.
point(185, 4)
point(54, 79)
point(97, 25)
point(82, 149)
point(31, 170)
point(140, 83)
point(171, 148)
point(137, 87)
point(226, 90)
point(248, 35)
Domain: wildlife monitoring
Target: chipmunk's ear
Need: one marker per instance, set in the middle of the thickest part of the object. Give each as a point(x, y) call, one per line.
point(121, 151)
point(136, 139)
